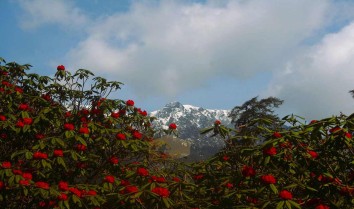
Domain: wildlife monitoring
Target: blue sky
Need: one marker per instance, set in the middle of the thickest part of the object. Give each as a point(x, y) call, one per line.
point(214, 54)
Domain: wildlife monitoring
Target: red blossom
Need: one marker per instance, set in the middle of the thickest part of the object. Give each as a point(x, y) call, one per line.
point(2, 118)
point(161, 191)
point(69, 126)
point(270, 151)
point(39, 136)
point(18, 89)
point(16, 172)
point(130, 103)
point(27, 121)
point(114, 160)
point(84, 130)
point(81, 147)
point(40, 155)
point(198, 177)
point(142, 172)
point(61, 68)
point(226, 158)
point(27, 176)
point(20, 124)
point(248, 171)
point(23, 107)
point(2, 184)
point(131, 189)
point(172, 126)
point(176, 179)
point(313, 154)
point(285, 195)
point(62, 197)
point(348, 135)
point(321, 206)
point(42, 185)
point(229, 185)
point(277, 135)
point(6, 164)
point(109, 179)
point(58, 153)
point(121, 136)
point(75, 191)
point(137, 135)
point(63, 185)
point(24, 182)
point(268, 179)
point(217, 122)
point(115, 115)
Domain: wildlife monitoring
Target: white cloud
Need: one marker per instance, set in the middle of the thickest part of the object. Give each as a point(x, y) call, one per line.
point(169, 47)
point(317, 82)
point(42, 12)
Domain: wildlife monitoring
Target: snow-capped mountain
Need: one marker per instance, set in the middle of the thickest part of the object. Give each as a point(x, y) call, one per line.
point(190, 120)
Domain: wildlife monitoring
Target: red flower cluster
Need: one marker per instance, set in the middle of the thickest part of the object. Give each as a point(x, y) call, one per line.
point(58, 153)
point(277, 135)
point(270, 151)
point(130, 103)
point(114, 160)
point(131, 189)
point(42, 185)
point(172, 126)
point(81, 147)
point(61, 68)
point(142, 172)
point(268, 179)
point(6, 164)
point(321, 206)
point(69, 126)
point(161, 191)
point(23, 107)
point(217, 122)
point(137, 135)
point(109, 179)
point(115, 115)
point(2, 118)
point(285, 195)
point(27, 121)
point(158, 179)
point(84, 130)
point(62, 197)
point(121, 136)
point(248, 171)
point(40, 155)
point(24, 182)
point(27, 176)
point(63, 186)
point(313, 154)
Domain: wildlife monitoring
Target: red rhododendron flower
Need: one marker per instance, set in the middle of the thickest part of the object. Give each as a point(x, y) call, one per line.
point(130, 103)
point(23, 107)
point(137, 135)
point(277, 135)
point(42, 185)
point(39, 136)
point(124, 182)
point(161, 191)
point(248, 171)
point(115, 115)
point(285, 195)
point(217, 122)
point(61, 67)
point(172, 126)
point(63, 186)
point(27, 121)
point(58, 153)
point(270, 151)
point(229, 185)
point(121, 136)
point(6, 164)
point(313, 154)
point(18, 89)
point(62, 197)
point(81, 147)
point(114, 160)
point(321, 206)
point(3, 135)
point(142, 172)
point(176, 179)
point(40, 155)
point(75, 191)
point(84, 130)
point(24, 182)
point(16, 172)
point(198, 177)
point(68, 114)
point(69, 126)
point(2, 118)
point(313, 121)
point(20, 124)
point(109, 179)
point(268, 179)
point(2, 184)
point(131, 189)
point(226, 158)
point(348, 135)
point(91, 193)
point(158, 179)
point(46, 97)
point(27, 176)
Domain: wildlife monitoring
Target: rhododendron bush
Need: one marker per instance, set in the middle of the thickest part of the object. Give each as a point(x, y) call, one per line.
point(65, 144)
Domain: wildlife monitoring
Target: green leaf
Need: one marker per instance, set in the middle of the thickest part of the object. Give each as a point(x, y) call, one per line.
point(273, 188)
point(294, 204)
point(166, 203)
point(280, 205)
